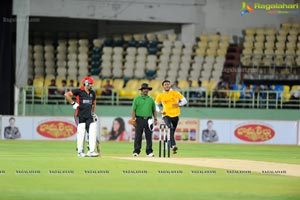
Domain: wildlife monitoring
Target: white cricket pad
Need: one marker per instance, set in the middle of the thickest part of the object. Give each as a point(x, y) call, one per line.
point(92, 136)
point(80, 137)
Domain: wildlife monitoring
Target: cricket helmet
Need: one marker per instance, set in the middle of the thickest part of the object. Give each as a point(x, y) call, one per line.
point(87, 81)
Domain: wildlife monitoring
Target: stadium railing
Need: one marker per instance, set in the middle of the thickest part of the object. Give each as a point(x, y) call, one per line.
point(211, 98)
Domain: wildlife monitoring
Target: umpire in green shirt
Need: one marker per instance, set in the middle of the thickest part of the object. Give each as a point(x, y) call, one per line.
point(143, 108)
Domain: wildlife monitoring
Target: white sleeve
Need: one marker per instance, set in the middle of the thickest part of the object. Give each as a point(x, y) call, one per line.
point(157, 107)
point(182, 102)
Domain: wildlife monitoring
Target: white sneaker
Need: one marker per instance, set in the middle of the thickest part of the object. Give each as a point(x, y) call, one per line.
point(81, 154)
point(150, 155)
point(135, 155)
point(92, 154)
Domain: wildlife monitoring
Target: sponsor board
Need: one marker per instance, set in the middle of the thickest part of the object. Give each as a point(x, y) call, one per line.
point(264, 132)
point(249, 131)
point(38, 128)
point(186, 130)
point(254, 132)
point(189, 129)
point(54, 129)
point(22, 125)
point(220, 128)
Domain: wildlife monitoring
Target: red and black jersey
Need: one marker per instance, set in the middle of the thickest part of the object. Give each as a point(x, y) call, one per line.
point(85, 102)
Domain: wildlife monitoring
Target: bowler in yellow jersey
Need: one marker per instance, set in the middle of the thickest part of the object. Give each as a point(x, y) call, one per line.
point(170, 100)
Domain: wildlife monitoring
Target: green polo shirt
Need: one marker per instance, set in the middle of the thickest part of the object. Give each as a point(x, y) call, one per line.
point(143, 106)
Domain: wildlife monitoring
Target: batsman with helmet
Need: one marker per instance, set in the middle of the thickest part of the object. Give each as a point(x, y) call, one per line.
point(86, 120)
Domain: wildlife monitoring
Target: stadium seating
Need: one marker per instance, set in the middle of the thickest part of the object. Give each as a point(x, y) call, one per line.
point(127, 92)
point(266, 39)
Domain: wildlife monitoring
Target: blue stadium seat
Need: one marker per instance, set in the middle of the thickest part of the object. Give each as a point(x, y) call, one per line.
point(234, 86)
point(153, 43)
point(95, 71)
point(132, 43)
point(96, 50)
point(279, 89)
point(241, 90)
point(150, 74)
point(95, 64)
point(152, 50)
point(143, 43)
point(118, 43)
point(109, 42)
point(95, 57)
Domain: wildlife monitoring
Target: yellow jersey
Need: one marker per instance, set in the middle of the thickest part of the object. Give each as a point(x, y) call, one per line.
point(167, 99)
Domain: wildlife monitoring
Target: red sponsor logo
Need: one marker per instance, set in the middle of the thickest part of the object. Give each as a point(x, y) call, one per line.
point(254, 133)
point(56, 129)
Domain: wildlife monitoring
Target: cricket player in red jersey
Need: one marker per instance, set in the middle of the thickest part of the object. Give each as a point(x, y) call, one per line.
point(86, 120)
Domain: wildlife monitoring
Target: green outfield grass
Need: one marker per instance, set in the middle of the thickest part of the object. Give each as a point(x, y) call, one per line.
point(115, 178)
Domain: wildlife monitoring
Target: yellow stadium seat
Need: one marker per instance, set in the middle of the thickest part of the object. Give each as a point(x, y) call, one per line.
point(201, 52)
point(161, 37)
point(103, 82)
point(130, 90)
point(75, 82)
point(286, 25)
point(202, 44)
point(38, 83)
point(205, 84)
point(183, 84)
point(132, 84)
point(286, 88)
point(214, 37)
point(296, 25)
point(138, 37)
point(143, 81)
point(285, 96)
point(295, 87)
point(97, 86)
point(47, 80)
point(235, 95)
point(172, 37)
point(270, 31)
point(58, 81)
point(127, 37)
point(118, 83)
point(154, 93)
point(194, 83)
point(212, 84)
point(225, 38)
point(155, 84)
point(203, 37)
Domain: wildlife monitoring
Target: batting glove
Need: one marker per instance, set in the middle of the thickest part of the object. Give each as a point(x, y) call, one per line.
point(95, 117)
point(75, 105)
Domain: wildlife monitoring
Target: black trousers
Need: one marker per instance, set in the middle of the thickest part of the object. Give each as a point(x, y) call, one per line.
point(172, 123)
point(86, 120)
point(141, 126)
